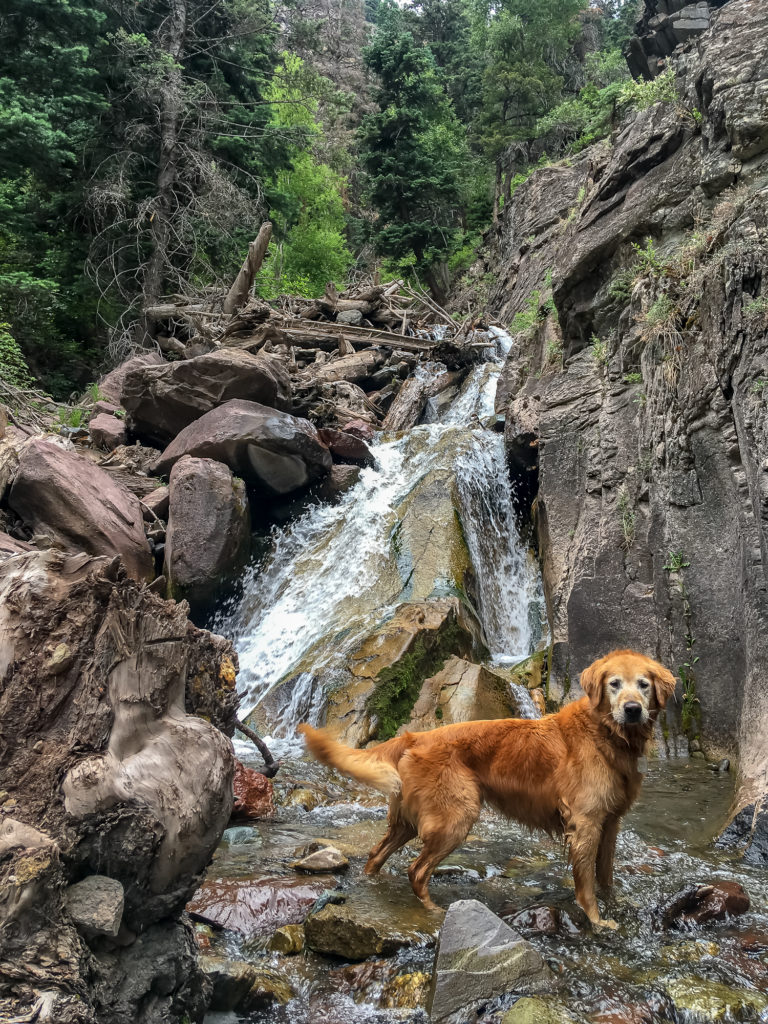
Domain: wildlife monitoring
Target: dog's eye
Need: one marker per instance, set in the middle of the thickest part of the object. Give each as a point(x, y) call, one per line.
point(643, 684)
point(615, 684)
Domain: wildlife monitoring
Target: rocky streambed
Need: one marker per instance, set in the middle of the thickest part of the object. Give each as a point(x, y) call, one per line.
point(333, 945)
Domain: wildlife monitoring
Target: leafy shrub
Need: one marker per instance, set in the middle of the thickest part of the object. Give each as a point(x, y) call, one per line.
point(13, 365)
point(641, 95)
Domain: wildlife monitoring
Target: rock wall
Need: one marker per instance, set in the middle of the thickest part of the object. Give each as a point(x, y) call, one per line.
point(637, 425)
point(113, 798)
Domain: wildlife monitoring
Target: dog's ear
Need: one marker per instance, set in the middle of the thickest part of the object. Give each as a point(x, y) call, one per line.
point(663, 683)
point(591, 682)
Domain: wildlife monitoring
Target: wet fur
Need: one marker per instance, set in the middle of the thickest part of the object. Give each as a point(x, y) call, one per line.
point(573, 773)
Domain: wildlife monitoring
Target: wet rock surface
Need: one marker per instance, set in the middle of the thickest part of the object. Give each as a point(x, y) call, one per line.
point(355, 930)
point(253, 792)
point(461, 692)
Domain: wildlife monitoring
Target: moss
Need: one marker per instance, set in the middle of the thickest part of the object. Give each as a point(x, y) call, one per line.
point(398, 686)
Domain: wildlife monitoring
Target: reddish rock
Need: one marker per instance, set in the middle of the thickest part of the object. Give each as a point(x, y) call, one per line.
point(346, 447)
point(107, 431)
point(361, 429)
point(10, 546)
point(269, 449)
point(726, 899)
point(111, 386)
point(254, 796)
point(106, 407)
point(338, 482)
point(162, 400)
point(209, 529)
point(256, 907)
point(157, 501)
point(82, 507)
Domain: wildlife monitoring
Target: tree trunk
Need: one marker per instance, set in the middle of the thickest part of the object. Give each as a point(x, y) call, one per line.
point(240, 290)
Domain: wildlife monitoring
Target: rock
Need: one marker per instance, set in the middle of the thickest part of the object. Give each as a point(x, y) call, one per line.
point(96, 905)
point(302, 797)
point(699, 904)
point(461, 692)
point(546, 920)
point(361, 429)
point(340, 480)
point(80, 506)
point(156, 784)
point(479, 957)
point(406, 991)
point(162, 400)
point(270, 450)
point(9, 546)
point(9, 463)
point(209, 530)
point(346, 447)
point(111, 386)
point(287, 940)
point(326, 859)
point(360, 928)
point(390, 666)
point(538, 1010)
point(706, 1000)
point(253, 794)
point(102, 408)
point(157, 501)
point(349, 316)
point(107, 431)
point(242, 986)
point(255, 907)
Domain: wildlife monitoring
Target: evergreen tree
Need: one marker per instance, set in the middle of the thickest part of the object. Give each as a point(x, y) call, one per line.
point(414, 152)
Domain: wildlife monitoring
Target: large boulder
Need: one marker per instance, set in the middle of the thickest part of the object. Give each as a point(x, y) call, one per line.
point(80, 506)
point(271, 450)
point(363, 926)
point(111, 386)
point(107, 431)
point(162, 400)
point(462, 692)
point(478, 958)
point(209, 529)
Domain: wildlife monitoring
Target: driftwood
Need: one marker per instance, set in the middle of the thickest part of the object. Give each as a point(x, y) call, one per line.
point(271, 766)
point(354, 368)
point(240, 290)
point(408, 406)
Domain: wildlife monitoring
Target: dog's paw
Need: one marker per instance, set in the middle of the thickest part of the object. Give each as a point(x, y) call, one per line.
point(607, 924)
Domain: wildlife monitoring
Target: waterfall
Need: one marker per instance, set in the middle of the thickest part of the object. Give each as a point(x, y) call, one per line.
point(331, 577)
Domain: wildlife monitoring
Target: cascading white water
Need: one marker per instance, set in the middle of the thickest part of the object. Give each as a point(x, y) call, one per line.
point(331, 577)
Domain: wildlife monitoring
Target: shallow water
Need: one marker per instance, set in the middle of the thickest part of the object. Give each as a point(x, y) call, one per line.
point(664, 846)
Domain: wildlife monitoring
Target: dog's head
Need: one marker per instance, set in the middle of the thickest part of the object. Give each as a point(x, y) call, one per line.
point(628, 686)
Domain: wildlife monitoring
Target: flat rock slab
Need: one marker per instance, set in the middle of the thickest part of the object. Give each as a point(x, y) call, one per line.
point(478, 958)
point(256, 906)
point(96, 905)
point(326, 859)
point(378, 920)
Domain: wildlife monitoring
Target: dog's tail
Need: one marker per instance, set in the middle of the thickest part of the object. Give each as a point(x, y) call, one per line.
point(374, 767)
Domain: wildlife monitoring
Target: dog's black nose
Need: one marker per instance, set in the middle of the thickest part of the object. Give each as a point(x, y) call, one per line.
point(632, 711)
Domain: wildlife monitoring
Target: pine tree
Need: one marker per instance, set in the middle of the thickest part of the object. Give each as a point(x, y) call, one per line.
point(413, 150)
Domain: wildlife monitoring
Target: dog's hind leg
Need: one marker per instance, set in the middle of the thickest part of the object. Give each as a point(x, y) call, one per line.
point(606, 852)
point(397, 835)
point(438, 843)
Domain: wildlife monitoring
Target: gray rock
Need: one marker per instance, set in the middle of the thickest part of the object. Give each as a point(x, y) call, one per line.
point(340, 479)
point(479, 957)
point(238, 985)
point(162, 400)
point(349, 316)
point(96, 905)
point(80, 506)
point(209, 528)
point(326, 859)
point(269, 449)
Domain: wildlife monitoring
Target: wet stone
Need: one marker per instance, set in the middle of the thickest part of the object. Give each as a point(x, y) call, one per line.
point(537, 1010)
point(242, 986)
point(287, 940)
point(328, 858)
point(706, 1000)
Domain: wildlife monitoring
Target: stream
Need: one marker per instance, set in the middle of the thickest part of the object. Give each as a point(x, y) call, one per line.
point(325, 582)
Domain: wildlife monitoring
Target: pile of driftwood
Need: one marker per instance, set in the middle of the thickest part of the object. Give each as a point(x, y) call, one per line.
point(366, 337)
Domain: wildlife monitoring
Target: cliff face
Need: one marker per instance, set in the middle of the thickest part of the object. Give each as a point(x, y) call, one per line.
point(636, 411)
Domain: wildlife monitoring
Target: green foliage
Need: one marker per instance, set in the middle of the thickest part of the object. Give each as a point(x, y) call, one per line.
point(759, 385)
point(757, 309)
point(640, 95)
point(661, 313)
point(599, 350)
point(647, 262)
point(13, 365)
point(628, 517)
point(633, 378)
point(676, 561)
point(72, 416)
point(414, 150)
point(529, 317)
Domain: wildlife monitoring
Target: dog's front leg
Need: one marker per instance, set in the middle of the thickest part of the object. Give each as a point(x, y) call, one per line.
point(606, 852)
point(584, 840)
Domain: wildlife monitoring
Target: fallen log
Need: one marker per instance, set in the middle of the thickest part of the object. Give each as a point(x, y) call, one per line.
point(408, 406)
point(353, 368)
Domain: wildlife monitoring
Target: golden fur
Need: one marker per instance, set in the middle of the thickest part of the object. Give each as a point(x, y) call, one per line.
point(574, 773)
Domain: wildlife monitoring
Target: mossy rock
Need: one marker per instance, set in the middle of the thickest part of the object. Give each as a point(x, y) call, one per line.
point(538, 1010)
point(706, 1000)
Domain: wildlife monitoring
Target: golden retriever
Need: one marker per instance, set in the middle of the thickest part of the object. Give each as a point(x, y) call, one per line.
point(574, 773)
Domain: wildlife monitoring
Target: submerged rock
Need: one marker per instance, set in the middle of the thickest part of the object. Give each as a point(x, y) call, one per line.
point(364, 926)
point(706, 1000)
point(255, 907)
point(269, 449)
point(479, 957)
point(209, 530)
point(288, 940)
point(699, 904)
point(242, 986)
point(80, 506)
point(538, 1010)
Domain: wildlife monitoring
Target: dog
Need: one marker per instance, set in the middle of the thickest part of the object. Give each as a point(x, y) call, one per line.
point(574, 773)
